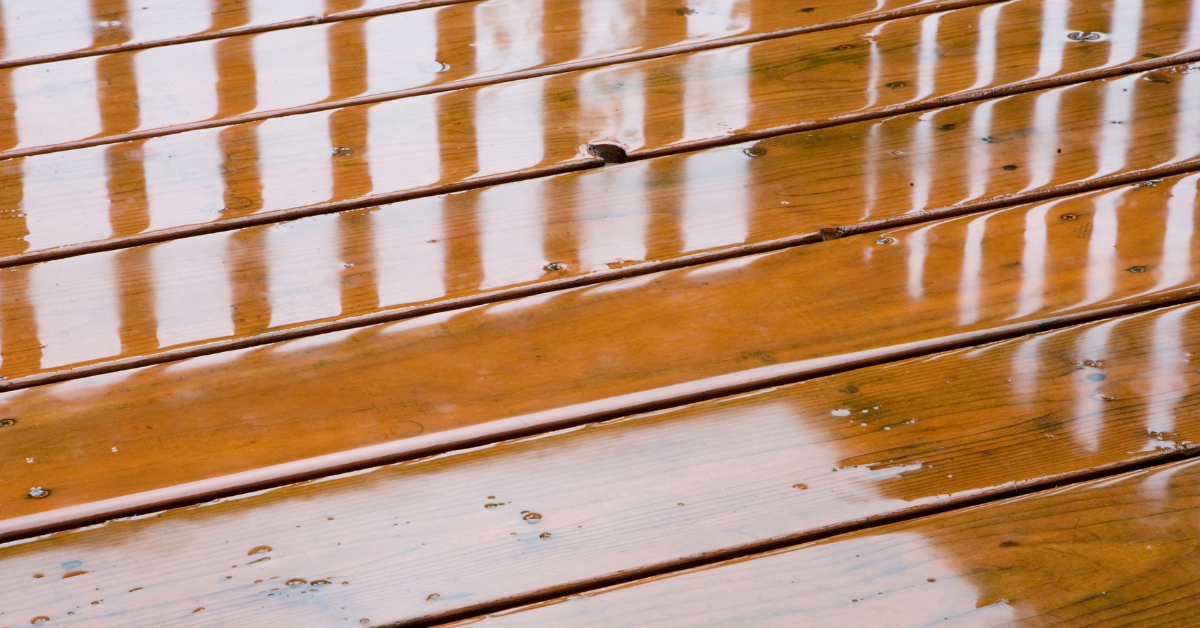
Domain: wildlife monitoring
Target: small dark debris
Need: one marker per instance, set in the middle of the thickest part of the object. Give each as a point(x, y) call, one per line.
point(948, 127)
point(610, 153)
point(1010, 167)
point(1010, 544)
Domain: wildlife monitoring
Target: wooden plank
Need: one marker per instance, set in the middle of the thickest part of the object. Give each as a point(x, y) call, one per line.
point(1115, 552)
point(45, 31)
point(286, 167)
point(346, 399)
point(383, 57)
point(369, 265)
point(619, 498)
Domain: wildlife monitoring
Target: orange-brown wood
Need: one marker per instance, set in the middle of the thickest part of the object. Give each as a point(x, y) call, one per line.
point(216, 179)
point(344, 399)
point(1121, 551)
point(531, 516)
point(386, 56)
point(38, 31)
point(224, 290)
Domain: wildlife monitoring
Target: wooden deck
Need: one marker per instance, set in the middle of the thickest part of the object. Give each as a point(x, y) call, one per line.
point(599, 313)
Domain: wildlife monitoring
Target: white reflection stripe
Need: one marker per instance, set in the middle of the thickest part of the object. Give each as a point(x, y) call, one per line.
point(927, 56)
point(1087, 414)
point(1043, 146)
point(508, 35)
point(1113, 147)
point(410, 256)
point(613, 26)
point(972, 265)
point(1176, 265)
point(85, 326)
point(1125, 32)
point(1054, 37)
point(985, 55)
point(613, 231)
point(1033, 261)
point(1168, 382)
point(1102, 248)
point(918, 248)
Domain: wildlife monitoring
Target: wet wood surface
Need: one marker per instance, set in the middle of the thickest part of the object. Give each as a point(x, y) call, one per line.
point(215, 81)
point(76, 315)
point(38, 31)
point(525, 517)
point(330, 401)
point(1114, 552)
point(212, 179)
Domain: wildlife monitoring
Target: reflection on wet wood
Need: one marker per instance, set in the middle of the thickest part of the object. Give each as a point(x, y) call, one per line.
point(1115, 552)
point(324, 402)
point(368, 264)
point(523, 517)
point(439, 142)
point(433, 49)
point(40, 31)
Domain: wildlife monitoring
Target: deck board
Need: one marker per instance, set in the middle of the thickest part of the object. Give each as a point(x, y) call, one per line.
point(403, 259)
point(40, 31)
point(1121, 551)
point(387, 56)
point(216, 179)
point(348, 398)
point(639, 493)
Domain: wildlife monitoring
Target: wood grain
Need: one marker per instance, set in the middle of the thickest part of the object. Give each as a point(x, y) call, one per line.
point(343, 400)
point(392, 55)
point(45, 31)
point(367, 265)
point(618, 498)
point(215, 179)
point(1115, 552)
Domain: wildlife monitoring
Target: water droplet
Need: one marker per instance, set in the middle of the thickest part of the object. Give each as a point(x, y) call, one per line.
point(320, 583)
point(343, 151)
point(755, 151)
point(896, 85)
point(295, 582)
point(1083, 36)
point(800, 487)
point(553, 266)
point(261, 549)
point(841, 412)
point(72, 574)
point(532, 517)
point(1068, 217)
point(1136, 269)
point(114, 450)
point(433, 67)
point(432, 596)
point(885, 241)
point(948, 127)
point(364, 621)
point(850, 389)
point(930, 580)
point(198, 609)
point(846, 47)
point(39, 620)
point(7, 422)
point(258, 582)
point(1097, 377)
point(544, 535)
point(492, 505)
point(38, 492)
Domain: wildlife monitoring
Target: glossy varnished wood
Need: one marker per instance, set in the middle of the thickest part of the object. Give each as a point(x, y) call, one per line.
point(1121, 551)
point(525, 517)
point(39, 31)
point(341, 399)
point(74, 316)
point(212, 179)
point(435, 49)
